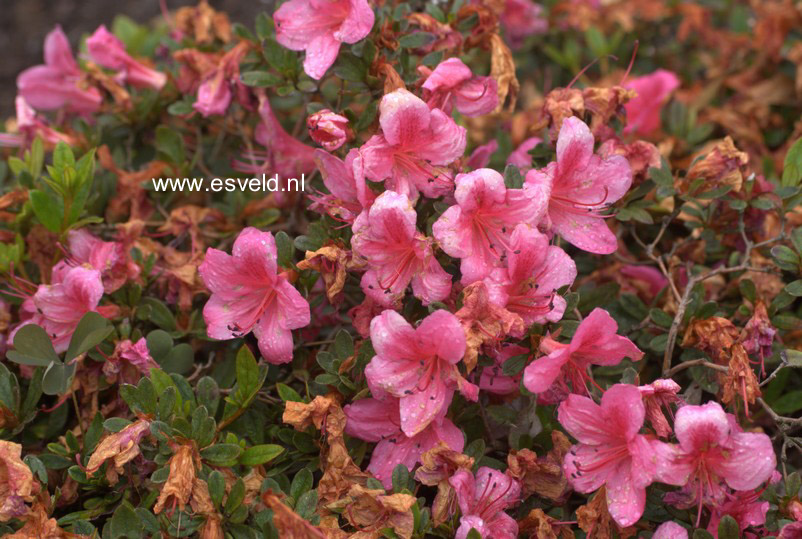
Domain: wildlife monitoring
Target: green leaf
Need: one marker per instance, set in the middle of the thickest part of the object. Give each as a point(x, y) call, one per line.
point(792, 167)
point(235, 497)
point(513, 178)
point(33, 347)
point(728, 528)
point(91, 331)
point(285, 249)
point(307, 504)
point(221, 454)
point(159, 344)
point(261, 79)
point(287, 393)
point(417, 40)
point(260, 454)
point(661, 318)
point(514, 365)
point(400, 478)
point(702, 534)
point(301, 483)
point(788, 403)
point(785, 258)
point(125, 522)
point(169, 145)
point(57, 378)
point(794, 288)
point(343, 345)
point(217, 487)
point(48, 210)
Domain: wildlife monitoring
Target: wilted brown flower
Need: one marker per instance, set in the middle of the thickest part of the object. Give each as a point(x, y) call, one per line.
point(541, 526)
point(287, 521)
point(542, 475)
point(739, 382)
point(372, 510)
point(333, 263)
point(562, 103)
point(484, 322)
point(502, 69)
point(17, 485)
point(714, 336)
point(121, 447)
point(203, 23)
point(38, 525)
point(180, 483)
point(722, 165)
point(440, 463)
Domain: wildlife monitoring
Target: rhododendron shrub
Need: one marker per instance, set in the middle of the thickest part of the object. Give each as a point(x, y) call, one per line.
point(509, 269)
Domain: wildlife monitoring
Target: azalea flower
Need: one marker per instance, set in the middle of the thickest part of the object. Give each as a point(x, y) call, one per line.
point(791, 531)
point(478, 228)
point(414, 147)
point(108, 257)
point(418, 365)
point(29, 126)
point(480, 156)
point(345, 180)
point(397, 254)
point(713, 451)
point(319, 27)
point(611, 451)
point(248, 294)
point(670, 530)
point(328, 129)
point(643, 111)
point(214, 92)
point(379, 421)
point(58, 83)
point(107, 50)
point(59, 307)
point(452, 82)
point(131, 359)
point(745, 507)
point(595, 342)
point(482, 501)
point(493, 378)
point(535, 271)
point(579, 187)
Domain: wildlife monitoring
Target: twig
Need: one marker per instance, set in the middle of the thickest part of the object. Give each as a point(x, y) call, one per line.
point(693, 363)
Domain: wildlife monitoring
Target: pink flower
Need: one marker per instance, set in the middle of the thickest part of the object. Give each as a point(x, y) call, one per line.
point(59, 307)
point(494, 380)
point(319, 27)
point(643, 112)
point(595, 342)
point(135, 354)
point(30, 127)
point(520, 157)
point(535, 271)
point(249, 295)
point(453, 82)
point(482, 501)
point(480, 156)
point(791, 531)
point(108, 257)
point(397, 254)
point(379, 421)
point(659, 395)
point(328, 129)
point(107, 50)
point(611, 452)
point(520, 19)
point(414, 146)
point(713, 450)
point(478, 228)
point(670, 530)
point(418, 365)
point(58, 83)
point(214, 92)
point(349, 194)
point(651, 277)
point(579, 187)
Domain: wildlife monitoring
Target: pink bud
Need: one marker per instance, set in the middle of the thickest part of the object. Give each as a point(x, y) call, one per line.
point(328, 129)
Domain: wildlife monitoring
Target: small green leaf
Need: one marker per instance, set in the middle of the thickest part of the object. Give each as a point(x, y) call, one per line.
point(33, 347)
point(57, 378)
point(792, 167)
point(728, 528)
point(169, 145)
point(91, 331)
point(221, 454)
point(261, 79)
point(260, 454)
point(48, 210)
point(416, 40)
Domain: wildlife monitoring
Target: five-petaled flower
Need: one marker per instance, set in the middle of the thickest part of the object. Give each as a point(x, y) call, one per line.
point(397, 254)
point(479, 227)
point(418, 365)
point(595, 342)
point(319, 27)
point(415, 145)
point(482, 501)
point(611, 451)
point(248, 294)
point(580, 186)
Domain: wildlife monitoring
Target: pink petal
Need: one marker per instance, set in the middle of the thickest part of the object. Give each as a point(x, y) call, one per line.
point(337, 176)
point(58, 53)
point(574, 146)
point(670, 530)
point(387, 455)
point(477, 96)
point(321, 53)
point(255, 253)
point(541, 373)
point(293, 308)
point(403, 117)
point(433, 283)
point(453, 232)
point(480, 157)
point(583, 419)
point(441, 333)
point(372, 420)
point(421, 407)
point(446, 141)
point(357, 24)
point(447, 74)
point(751, 460)
point(520, 157)
point(275, 342)
point(700, 427)
point(392, 337)
point(465, 487)
point(623, 410)
point(587, 232)
point(580, 458)
point(480, 188)
point(596, 340)
point(625, 500)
